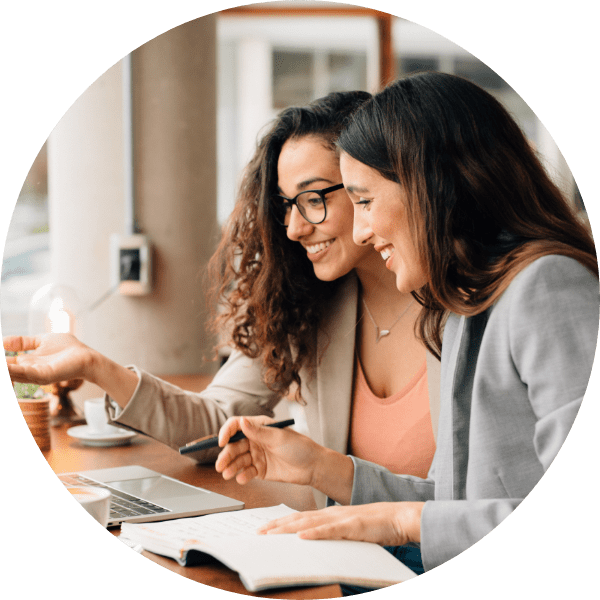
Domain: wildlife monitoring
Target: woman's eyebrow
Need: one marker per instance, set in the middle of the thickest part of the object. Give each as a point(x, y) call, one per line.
point(308, 182)
point(304, 184)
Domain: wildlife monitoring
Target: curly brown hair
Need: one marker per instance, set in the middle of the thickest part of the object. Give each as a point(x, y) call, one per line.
point(262, 288)
point(481, 205)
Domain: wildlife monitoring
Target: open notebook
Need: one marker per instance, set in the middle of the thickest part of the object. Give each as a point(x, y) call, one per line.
point(268, 561)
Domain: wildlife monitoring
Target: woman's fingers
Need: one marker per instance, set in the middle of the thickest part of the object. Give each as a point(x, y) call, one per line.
point(247, 475)
point(235, 424)
point(323, 532)
point(241, 462)
point(16, 374)
point(229, 428)
point(237, 461)
point(25, 374)
point(384, 523)
point(290, 524)
point(329, 523)
point(230, 453)
point(17, 343)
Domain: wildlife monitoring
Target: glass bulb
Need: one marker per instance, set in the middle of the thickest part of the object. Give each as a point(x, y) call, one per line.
point(53, 309)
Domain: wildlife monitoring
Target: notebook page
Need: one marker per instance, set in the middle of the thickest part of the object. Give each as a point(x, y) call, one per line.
point(181, 533)
point(223, 525)
point(273, 560)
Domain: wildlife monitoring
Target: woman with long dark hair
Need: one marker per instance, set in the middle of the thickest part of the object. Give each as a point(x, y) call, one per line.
point(302, 305)
point(448, 190)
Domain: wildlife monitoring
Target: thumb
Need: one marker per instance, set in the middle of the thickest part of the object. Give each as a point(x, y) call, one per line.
point(248, 426)
point(253, 430)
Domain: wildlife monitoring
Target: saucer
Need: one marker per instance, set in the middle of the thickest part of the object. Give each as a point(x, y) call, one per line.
point(118, 437)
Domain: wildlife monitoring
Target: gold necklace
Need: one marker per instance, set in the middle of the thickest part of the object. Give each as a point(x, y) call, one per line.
point(379, 333)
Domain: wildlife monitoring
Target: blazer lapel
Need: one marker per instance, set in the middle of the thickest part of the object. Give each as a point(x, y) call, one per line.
point(457, 397)
point(433, 390)
point(453, 333)
point(335, 372)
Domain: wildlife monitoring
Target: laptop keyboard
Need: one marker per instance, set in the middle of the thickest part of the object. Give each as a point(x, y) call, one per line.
point(122, 505)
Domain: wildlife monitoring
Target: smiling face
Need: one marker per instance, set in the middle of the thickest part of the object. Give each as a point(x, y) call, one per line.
point(381, 219)
point(308, 164)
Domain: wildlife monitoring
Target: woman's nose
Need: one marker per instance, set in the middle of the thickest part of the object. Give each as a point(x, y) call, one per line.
point(297, 225)
point(361, 232)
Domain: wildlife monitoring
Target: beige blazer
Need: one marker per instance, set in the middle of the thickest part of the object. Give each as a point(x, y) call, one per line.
point(175, 417)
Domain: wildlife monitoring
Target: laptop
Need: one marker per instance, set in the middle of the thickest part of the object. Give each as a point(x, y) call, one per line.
point(140, 495)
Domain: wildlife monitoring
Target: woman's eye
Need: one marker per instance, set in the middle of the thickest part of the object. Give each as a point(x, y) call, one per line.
point(363, 202)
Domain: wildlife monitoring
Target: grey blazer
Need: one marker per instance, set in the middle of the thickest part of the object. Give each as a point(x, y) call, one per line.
point(512, 382)
point(175, 417)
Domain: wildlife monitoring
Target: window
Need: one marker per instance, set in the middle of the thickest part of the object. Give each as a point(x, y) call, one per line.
point(479, 73)
point(301, 76)
point(413, 64)
point(293, 74)
point(267, 63)
point(26, 262)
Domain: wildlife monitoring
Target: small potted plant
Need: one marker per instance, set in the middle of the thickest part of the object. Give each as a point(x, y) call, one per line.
point(32, 391)
point(28, 391)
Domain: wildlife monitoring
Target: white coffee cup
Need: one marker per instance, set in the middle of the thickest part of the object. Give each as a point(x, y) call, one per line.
point(95, 500)
point(96, 417)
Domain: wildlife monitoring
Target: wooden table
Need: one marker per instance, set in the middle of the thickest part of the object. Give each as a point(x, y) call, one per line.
point(68, 454)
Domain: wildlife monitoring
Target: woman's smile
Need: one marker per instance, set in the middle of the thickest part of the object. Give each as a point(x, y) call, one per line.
point(315, 251)
point(386, 253)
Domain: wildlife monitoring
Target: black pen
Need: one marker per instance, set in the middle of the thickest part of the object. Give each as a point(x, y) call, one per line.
point(212, 441)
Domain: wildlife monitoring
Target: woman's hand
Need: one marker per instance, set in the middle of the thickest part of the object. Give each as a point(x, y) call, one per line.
point(57, 357)
point(267, 453)
point(53, 358)
point(384, 523)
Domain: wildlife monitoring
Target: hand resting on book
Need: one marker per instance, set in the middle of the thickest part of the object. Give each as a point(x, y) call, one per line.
point(384, 523)
point(285, 455)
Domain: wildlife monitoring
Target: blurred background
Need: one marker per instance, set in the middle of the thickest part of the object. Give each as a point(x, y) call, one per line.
point(156, 145)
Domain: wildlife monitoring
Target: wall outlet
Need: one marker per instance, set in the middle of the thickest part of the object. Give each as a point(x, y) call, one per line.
point(131, 264)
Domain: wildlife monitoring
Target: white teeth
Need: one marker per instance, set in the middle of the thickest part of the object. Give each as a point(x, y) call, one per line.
point(318, 247)
point(387, 252)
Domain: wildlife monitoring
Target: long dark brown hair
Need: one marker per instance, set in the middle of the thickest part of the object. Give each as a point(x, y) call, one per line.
point(481, 205)
point(266, 298)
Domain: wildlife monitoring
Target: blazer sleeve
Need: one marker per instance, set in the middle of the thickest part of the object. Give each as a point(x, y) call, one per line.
point(175, 416)
point(553, 328)
point(374, 483)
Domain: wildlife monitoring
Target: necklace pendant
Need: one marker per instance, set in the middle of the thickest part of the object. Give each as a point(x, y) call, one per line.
point(381, 333)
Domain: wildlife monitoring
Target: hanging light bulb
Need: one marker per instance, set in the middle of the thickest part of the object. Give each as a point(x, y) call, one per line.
point(60, 319)
point(53, 309)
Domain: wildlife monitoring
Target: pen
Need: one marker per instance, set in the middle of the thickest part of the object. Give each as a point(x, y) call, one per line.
point(212, 441)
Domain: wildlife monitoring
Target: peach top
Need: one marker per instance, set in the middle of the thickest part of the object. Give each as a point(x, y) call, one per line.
point(394, 432)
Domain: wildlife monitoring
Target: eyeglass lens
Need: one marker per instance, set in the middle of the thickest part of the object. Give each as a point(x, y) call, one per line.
point(310, 204)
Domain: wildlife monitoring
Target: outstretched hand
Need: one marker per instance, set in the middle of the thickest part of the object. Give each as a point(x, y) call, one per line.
point(266, 453)
point(384, 523)
point(52, 358)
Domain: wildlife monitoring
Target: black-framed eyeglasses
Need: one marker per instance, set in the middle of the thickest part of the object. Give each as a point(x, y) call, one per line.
point(311, 205)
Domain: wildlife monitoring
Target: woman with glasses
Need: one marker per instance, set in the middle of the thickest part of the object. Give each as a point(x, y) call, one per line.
point(305, 310)
point(451, 195)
